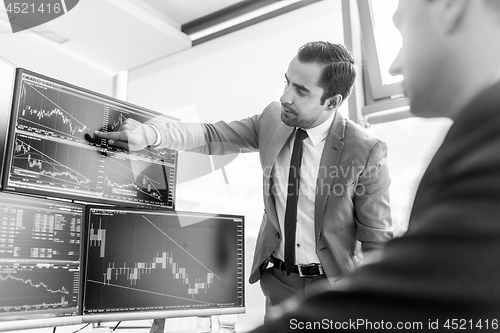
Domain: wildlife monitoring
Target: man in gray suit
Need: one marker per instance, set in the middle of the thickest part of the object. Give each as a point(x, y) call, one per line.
point(341, 208)
point(444, 273)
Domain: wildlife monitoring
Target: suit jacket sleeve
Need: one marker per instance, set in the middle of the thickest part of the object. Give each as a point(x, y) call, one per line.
point(214, 139)
point(371, 201)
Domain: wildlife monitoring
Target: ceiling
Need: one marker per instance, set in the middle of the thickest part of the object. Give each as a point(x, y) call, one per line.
point(120, 35)
point(185, 11)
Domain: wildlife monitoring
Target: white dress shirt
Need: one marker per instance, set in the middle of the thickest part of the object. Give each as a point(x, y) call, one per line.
point(186, 136)
point(305, 251)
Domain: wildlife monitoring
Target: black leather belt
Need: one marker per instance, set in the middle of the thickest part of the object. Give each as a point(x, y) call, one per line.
point(309, 270)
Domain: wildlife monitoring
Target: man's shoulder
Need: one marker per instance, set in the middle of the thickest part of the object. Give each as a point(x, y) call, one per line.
point(273, 109)
point(271, 116)
point(359, 134)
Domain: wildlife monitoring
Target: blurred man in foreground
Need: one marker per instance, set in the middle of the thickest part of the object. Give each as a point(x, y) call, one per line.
point(444, 274)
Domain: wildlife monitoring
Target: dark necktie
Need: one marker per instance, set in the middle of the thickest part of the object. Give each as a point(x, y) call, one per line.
point(292, 200)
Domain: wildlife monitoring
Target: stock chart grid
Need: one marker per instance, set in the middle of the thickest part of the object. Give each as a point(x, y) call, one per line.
point(140, 260)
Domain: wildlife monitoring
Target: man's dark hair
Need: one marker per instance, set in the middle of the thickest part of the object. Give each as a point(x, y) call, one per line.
point(339, 72)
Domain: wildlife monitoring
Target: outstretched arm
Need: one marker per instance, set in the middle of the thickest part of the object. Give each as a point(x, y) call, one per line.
point(213, 139)
point(132, 135)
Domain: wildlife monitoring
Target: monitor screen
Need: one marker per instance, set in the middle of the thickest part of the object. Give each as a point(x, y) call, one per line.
point(148, 264)
point(53, 151)
point(40, 260)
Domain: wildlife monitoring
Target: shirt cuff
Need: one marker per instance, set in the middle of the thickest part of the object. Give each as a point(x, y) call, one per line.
point(158, 135)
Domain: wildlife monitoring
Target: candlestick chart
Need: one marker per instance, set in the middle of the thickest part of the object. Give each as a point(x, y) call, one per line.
point(143, 260)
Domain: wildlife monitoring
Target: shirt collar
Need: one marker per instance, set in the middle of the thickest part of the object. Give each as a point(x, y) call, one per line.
point(319, 133)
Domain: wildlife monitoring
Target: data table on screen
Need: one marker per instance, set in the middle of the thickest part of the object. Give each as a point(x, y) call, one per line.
point(40, 257)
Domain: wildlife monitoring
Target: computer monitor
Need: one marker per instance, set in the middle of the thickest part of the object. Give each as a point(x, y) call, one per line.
point(144, 264)
point(40, 262)
point(52, 149)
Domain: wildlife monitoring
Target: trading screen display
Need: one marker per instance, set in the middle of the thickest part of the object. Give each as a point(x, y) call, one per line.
point(40, 252)
point(53, 150)
point(140, 260)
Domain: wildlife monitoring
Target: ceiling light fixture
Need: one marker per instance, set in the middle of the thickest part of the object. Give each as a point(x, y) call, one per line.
point(242, 19)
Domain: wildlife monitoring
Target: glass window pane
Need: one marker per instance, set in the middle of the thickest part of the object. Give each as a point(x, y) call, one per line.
point(411, 144)
point(387, 38)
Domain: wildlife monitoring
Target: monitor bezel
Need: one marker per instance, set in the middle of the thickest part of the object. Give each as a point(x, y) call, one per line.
point(170, 313)
point(21, 324)
point(91, 198)
point(7, 83)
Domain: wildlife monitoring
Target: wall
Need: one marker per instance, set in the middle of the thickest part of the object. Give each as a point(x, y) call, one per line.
point(229, 78)
point(411, 142)
point(39, 54)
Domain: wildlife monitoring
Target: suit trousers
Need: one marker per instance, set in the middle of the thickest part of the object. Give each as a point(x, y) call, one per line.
point(277, 286)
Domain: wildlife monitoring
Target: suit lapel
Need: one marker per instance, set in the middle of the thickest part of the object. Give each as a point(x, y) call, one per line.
point(329, 158)
point(279, 139)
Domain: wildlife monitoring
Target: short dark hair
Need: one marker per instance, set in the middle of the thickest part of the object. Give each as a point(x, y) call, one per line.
point(339, 72)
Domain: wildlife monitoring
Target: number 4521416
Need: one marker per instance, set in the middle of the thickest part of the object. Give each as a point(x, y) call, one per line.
point(464, 324)
point(27, 8)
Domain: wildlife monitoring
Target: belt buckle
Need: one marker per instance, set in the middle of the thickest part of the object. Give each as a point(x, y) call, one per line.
point(320, 268)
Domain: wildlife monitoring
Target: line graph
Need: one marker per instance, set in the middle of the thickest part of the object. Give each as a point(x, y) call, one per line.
point(137, 178)
point(116, 118)
point(29, 282)
point(35, 286)
point(148, 260)
point(117, 123)
point(58, 113)
point(53, 150)
point(53, 163)
point(118, 115)
point(167, 155)
point(43, 305)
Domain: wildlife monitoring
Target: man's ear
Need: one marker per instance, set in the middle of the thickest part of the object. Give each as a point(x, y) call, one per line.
point(333, 102)
point(452, 14)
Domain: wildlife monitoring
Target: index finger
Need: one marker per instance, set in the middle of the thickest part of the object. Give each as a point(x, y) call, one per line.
point(111, 135)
